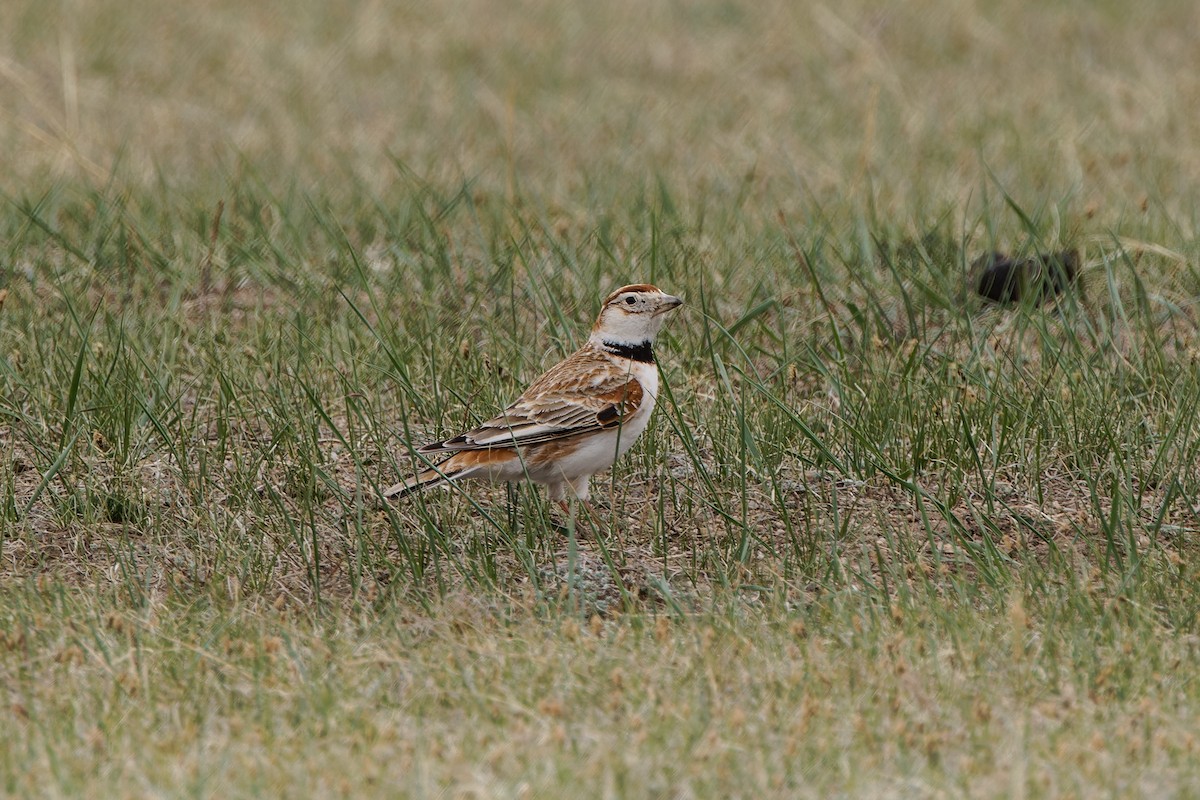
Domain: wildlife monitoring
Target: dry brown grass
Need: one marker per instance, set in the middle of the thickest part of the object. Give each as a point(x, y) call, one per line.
point(780, 103)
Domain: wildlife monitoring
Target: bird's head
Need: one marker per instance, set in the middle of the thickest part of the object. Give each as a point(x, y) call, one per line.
point(633, 314)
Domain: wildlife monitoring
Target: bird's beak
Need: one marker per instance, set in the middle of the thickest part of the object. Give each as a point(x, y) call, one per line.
point(668, 302)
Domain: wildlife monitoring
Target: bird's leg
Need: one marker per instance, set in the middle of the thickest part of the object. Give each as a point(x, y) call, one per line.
point(580, 494)
point(556, 520)
point(510, 492)
point(590, 515)
point(567, 523)
point(572, 557)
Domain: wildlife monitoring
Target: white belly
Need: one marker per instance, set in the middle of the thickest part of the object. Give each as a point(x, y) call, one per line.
point(598, 452)
point(628, 433)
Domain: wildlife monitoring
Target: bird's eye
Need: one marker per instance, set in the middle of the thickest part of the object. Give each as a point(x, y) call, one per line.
point(629, 301)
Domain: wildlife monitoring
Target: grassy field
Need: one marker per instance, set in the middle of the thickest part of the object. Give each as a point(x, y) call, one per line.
point(880, 541)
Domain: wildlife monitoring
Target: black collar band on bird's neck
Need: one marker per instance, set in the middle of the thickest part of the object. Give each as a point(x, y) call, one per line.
point(642, 351)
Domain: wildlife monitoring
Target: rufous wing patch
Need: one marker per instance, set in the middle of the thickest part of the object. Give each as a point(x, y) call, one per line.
point(620, 404)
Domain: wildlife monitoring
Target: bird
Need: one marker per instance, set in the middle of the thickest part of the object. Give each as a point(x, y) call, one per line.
point(573, 421)
point(1007, 280)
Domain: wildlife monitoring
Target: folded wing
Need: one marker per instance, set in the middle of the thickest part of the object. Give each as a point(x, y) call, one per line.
point(550, 411)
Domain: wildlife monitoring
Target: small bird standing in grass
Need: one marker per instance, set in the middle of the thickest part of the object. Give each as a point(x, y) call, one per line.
point(576, 419)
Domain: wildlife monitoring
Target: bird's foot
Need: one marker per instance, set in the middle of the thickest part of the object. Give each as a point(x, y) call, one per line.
point(585, 523)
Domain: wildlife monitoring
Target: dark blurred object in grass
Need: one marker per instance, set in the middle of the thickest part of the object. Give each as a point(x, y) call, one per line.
point(1006, 280)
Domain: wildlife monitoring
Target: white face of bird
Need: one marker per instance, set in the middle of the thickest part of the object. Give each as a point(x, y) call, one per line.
point(634, 314)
